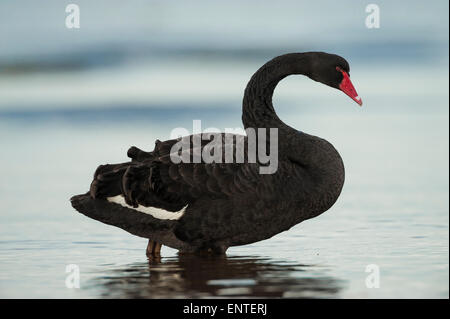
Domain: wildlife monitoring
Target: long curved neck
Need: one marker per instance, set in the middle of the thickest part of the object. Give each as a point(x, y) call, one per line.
point(314, 158)
point(257, 110)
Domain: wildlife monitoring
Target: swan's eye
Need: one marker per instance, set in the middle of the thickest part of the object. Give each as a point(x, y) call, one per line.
point(342, 71)
point(338, 68)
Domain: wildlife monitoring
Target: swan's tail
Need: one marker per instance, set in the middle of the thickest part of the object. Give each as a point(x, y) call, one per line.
point(131, 220)
point(113, 199)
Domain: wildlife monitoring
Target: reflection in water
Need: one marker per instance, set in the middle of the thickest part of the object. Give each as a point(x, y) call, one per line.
point(196, 277)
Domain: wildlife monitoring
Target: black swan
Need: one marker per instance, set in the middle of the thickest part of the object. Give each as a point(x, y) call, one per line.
point(210, 206)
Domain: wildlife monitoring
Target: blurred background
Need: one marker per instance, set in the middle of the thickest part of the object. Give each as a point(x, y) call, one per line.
point(71, 99)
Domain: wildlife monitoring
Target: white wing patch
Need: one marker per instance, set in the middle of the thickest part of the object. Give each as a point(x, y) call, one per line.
point(153, 211)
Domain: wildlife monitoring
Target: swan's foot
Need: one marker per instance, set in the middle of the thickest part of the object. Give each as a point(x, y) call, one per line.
point(153, 248)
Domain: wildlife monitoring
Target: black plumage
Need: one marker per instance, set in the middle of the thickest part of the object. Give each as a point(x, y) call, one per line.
point(227, 204)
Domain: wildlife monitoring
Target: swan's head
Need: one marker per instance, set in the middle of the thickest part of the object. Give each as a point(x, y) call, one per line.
point(334, 71)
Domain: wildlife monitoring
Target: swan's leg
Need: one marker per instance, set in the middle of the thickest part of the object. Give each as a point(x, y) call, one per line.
point(149, 250)
point(157, 248)
point(153, 248)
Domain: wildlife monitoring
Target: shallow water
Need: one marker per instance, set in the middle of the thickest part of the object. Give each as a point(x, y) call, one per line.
point(393, 212)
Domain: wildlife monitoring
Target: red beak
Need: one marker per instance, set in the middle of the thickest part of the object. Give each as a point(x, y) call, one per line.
point(347, 87)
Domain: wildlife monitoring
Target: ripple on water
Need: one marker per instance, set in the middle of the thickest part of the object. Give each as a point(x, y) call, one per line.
point(200, 277)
